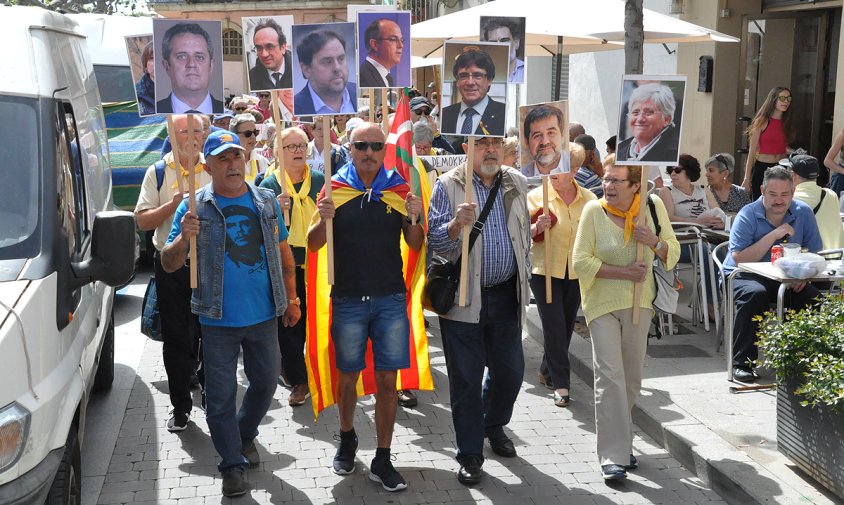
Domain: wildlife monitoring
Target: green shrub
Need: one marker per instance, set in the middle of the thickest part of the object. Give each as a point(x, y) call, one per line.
point(809, 345)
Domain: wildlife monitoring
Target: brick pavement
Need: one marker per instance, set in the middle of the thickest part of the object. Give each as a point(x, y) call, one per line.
point(556, 461)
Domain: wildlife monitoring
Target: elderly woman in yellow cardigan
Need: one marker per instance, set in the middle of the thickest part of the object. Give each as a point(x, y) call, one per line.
point(605, 263)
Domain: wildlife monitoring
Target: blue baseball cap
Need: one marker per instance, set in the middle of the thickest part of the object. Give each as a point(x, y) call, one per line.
point(220, 141)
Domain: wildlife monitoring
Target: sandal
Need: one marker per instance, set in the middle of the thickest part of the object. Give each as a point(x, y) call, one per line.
point(561, 400)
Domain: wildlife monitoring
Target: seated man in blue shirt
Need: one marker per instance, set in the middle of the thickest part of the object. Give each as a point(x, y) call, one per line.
point(773, 219)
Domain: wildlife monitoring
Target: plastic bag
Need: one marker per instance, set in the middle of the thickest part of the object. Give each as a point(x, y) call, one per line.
point(802, 265)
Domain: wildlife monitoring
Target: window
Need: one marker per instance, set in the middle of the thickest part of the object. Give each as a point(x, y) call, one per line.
point(19, 196)
point(232, 45)
point(70, 184)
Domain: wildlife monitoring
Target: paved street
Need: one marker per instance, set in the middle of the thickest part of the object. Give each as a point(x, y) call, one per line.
point(129, 457)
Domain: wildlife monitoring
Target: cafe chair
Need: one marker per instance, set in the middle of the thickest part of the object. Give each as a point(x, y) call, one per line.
point(719, 255)
point(690, 234)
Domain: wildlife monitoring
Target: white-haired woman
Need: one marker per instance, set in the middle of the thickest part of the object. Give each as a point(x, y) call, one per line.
point(650, 115)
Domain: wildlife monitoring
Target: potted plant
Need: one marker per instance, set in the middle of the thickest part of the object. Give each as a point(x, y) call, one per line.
point(807, 352)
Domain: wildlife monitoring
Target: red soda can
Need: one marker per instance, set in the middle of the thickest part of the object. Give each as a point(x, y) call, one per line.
point(776, 253)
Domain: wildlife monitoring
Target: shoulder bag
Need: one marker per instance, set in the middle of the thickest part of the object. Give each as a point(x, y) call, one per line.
point(442, 276)
point(666, 282)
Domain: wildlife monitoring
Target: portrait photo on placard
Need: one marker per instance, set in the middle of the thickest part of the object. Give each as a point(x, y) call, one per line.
point(324, 69)
point(512, 31)
point(544, 137)
point(139, 48)
point(650, 117)
point(384, 39)
point(267, 52)
point(471, 69)
point(188, 66)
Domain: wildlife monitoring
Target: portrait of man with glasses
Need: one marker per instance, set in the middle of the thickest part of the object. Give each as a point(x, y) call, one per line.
point(386, 61)
point(650, 120)
point(273, 67)
point(511, 31)
point(474, 71)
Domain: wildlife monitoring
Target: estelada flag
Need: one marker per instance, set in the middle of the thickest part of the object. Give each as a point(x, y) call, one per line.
point(391, 187)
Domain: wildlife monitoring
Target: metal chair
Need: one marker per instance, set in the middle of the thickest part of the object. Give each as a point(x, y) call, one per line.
point(690, 234)
point(719, 255)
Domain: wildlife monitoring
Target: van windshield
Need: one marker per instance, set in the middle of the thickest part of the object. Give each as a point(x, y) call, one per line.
point(19, 179)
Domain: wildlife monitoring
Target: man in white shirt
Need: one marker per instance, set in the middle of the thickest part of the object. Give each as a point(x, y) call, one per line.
point(384, 45)
point(188, 60)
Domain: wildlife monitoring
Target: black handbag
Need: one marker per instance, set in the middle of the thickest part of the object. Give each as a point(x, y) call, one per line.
point(442, 277)
point(150, 317)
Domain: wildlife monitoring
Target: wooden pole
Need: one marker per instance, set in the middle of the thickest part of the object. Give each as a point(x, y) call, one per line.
point(547, 240)
point(279, 154)
point(640, 247)
point(385, 112)
point(329, 224)
point(413, 168)
point(464, 263)
point(371, 105)
point(192, 152)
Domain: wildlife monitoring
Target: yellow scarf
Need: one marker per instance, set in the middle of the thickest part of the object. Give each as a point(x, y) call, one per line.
point(628, 215)
point(183, 173)
point(301, 209)
point(252, 171)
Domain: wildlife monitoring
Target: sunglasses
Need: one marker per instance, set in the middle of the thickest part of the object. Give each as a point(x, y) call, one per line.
point(675, 170)
point(362, 146)
point(422, 112)
point(784, 98)
point(240, 109)
point(263, 96)
point(249, 133)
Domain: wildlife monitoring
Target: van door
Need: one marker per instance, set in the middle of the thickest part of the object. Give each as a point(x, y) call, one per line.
point(82, 307)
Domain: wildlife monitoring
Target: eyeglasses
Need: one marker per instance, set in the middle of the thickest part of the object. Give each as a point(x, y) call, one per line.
point(613, 182)
point(422, 111)
point(393, 39)
point(361, 145)
point(265, 47)
point(783, 98)
point(675, 170)
point(486, 143)
point(648, 113)
point(249, 133)
point(477, 76)
point(296, 147)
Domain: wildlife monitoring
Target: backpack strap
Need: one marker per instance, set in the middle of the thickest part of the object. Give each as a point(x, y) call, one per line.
point(652, 208)
point(818, 206)
point(159, 174)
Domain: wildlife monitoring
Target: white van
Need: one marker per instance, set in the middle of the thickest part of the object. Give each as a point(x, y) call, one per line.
point(61, 248)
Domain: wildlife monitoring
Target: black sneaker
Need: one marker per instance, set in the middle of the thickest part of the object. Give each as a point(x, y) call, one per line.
point(382, 470)
point(634, 463)
point(178, 421)
point(250, 452)
point(234, 481)
point(344, 459)
point(613, 472)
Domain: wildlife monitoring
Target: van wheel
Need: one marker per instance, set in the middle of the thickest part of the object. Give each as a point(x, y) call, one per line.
point(105, 370)
point(67, 486)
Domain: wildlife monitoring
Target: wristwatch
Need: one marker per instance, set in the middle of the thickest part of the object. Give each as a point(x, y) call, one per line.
point(294, 301)
point(659, 245)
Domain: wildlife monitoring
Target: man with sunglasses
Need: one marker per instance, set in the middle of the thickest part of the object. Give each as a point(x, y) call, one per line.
point(487, 332)
point(476, 113)
point(421, 111)
point(369, 297)
point(273, 70)
point(384, 46)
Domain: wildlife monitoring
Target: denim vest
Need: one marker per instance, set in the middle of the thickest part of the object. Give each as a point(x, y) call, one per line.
point(207, 298)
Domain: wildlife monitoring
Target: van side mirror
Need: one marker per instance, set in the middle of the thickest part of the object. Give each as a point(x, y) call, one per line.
point(112, 250)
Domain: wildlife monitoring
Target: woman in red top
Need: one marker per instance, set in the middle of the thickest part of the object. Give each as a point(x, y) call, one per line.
point(770, 133)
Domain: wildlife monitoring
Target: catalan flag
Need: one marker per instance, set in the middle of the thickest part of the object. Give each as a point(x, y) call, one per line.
point(391, 187)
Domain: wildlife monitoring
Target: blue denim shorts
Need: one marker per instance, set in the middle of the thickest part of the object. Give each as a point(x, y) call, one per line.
point(382, 319)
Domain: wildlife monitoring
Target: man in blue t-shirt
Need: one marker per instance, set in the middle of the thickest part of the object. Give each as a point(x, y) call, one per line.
point(246, 280)
point(775, 218)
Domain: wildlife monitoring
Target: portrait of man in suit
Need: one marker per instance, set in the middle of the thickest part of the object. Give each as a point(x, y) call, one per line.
point(511, 31)
point(477, 113)
point(384, 44)
point(273, 67)
point(324, 67)
point(187, 58)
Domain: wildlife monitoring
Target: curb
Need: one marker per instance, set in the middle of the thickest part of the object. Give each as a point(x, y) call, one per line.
point(730, 472)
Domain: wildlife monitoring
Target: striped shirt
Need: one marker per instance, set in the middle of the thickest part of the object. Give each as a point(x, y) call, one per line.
point(588, 179)
point(498, 260)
